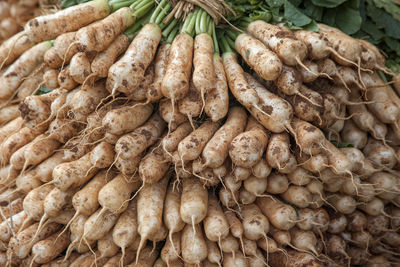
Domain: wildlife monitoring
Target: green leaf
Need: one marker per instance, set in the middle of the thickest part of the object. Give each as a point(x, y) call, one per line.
point(276, 16)
point(392, 27)
point(390, 7)
point(261, 15)
point(247, 54)
point(275, 3)
point(295, 2)
point(291, 26)
point(68, 3)
point(340, 144)
point(348, 19)
point(363, 10)
point(312, 11)
point(354, 4)
point(375, 14)
point(312, 26)
point(43, 90)
point(328, 3)
point(294, 15)
point(393, 65)
point(393, 44)
point(329, 16)
point(373, 30)
point(384, 20)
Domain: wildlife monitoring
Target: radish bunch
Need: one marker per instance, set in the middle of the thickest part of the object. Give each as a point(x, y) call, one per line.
point(161, 140)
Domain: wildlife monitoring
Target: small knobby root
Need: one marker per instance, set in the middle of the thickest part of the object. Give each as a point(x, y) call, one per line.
point(353, 182)
point(221, 181)
point(91, 250)
point(4, 104)
point(321, 122)
point(9, 222)
point(326, 75)
point(35, 72)
point(77, 213)
point(66, 53)
point(359, 73)
point(289, 129)
point(389, 216)
point(141, 244)
point(305, 67)
point(200, 177)
point(92, 75)
point(173, 245)
point(266, 241)
point(383, 69)
point(121, 260)
point(312, 252)
point(194, 229)
point(89, 170)
point(102, 101)
point(154, 247)
point(191, 122)
point(269, 196)
point(128, 200)
point(345, 118)
point(23, 224)
point(70, 248)
point(350, 103)
point(343, 82)
point(173, 116)
point(308, 99)
point(42, 223)
point(262, 111)
point(9, 256)
point(33, 260)
point(336, 54)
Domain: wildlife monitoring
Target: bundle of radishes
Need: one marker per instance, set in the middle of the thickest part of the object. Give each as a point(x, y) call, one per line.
point(14, 14)
point(121, 145)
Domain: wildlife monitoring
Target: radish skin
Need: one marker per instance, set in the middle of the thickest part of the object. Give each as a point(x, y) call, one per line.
point(175, 83)
point(150, 210)
point(216, 150)
point(138, 57)
point(194, 201)
point(48, 27)
point(264, 62)
point(194, 247)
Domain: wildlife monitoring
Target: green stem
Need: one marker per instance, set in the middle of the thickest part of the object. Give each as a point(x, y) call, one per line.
point(203, 22)
point(140, 3)
point(120, 4)
point(231, 43)
point(137, 25)
point(210, 23)
point(214, 37)
point(169, 28)
point(198, 22)
point(244, 23)
point(172, 35)
point(232, 34)
point(224, 45)
point(140, 12)
point(163, 13)
point(157, 11)
point(189, 17)
point(189, 24)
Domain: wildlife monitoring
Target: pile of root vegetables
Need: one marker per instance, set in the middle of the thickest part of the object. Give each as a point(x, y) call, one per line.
point(136, 133)
point(15, 13)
